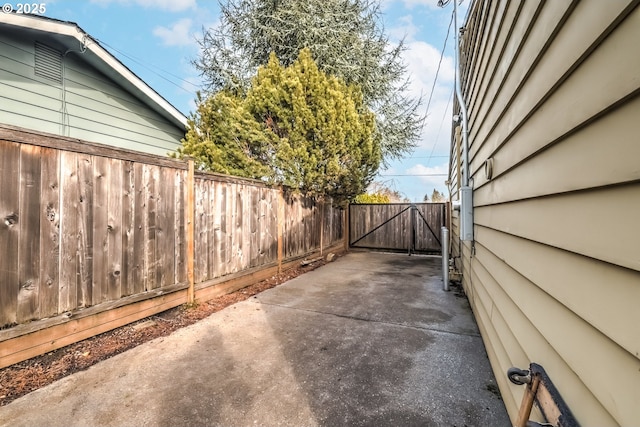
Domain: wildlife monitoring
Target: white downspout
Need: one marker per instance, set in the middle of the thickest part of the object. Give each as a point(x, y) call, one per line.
point(466, 192)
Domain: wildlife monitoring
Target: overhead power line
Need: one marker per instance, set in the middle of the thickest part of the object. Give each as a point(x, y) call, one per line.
point(427, 157)
point(435, 80)
point(444, 117)
point(418, 174)
point(151, 67)
point(433, 88)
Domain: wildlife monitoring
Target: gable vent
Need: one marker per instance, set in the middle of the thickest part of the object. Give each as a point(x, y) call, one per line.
point(48, 63)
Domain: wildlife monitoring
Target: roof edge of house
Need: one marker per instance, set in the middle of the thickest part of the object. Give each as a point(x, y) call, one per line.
point(73, 30)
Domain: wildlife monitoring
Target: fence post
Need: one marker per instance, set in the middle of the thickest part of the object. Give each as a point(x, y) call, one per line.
point(413, 210)
point(345, 226)
point(321, 224)
point(190, 217)
point(280, 213)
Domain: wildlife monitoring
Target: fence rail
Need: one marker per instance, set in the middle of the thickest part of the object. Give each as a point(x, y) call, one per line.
point(84, 225)
point(414, 227)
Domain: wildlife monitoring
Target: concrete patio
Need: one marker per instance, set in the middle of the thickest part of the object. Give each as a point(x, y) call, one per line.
point(368, 340)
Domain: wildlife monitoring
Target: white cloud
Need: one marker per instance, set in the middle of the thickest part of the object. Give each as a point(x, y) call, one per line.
point(423, 25)
point(170, 5)
point(422, 60)
point(406, 29)
point(409, 4)
point(427, 172)
point(426, 176)
point(191, 84)
point(178, 34)
point(431, 4)
point(414, 3)
point(422, 63)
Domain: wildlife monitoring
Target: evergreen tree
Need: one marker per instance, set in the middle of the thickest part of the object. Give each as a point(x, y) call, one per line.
point(295, 126)
point(223, 137)
point(437, 196)
point(346, 39)
point(372, 198)
point(380, 192)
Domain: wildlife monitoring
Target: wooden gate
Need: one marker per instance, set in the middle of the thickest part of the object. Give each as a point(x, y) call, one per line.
point(411, 227)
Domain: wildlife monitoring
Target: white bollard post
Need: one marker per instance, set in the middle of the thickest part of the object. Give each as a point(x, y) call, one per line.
point(444, 239)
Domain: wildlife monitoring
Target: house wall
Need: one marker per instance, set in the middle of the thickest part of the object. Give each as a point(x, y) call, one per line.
point(86, 105)
point(553, 274)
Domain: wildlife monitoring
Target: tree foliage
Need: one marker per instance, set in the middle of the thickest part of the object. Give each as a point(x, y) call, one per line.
point(294, 126)
point(379, 192)
point(346, 39)
point(224, 137)
point(436, 196)
point(372, 198)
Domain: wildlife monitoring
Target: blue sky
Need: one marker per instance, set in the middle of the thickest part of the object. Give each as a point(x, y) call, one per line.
point(157, 40)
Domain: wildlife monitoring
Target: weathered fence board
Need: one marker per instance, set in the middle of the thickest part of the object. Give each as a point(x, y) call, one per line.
point(232, 229)
point(254, 220)
point(431, 217)
point(151, 200)
point(392, 227)
point(100, 248)
point(235, 225)
point(128, 218)
point(139, 230)
point(29, 248)
point(73, 221)
point(200, 267)
point(209, 200)
point(414, 227)
point(9, 231)
point(69, 185)
point(115, 232)
point(49, 233)
point(180, 252)
point(86, 230)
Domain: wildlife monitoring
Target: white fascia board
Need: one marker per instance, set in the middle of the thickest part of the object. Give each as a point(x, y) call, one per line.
point(108, 64)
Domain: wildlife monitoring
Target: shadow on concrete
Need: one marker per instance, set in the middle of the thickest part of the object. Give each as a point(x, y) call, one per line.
point(368, 340)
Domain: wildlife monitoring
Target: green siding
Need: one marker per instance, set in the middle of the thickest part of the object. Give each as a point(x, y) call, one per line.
point(88, 105)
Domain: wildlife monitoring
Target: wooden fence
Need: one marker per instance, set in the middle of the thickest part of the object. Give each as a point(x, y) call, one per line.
point(87, 229)
point(411, 227)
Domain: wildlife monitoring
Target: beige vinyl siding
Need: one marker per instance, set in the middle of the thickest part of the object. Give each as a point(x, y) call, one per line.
point(598, 164)
point(589, 90)
point(93, 108)
point(552, 90)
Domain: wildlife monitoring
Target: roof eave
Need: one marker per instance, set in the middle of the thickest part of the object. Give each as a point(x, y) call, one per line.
point(105, 62)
